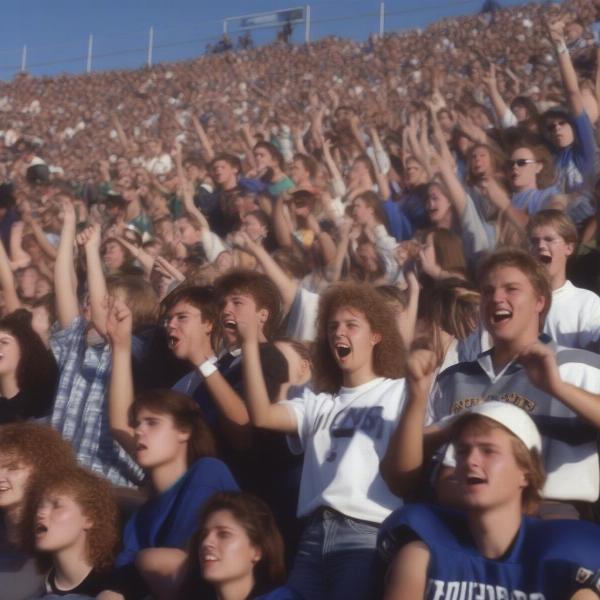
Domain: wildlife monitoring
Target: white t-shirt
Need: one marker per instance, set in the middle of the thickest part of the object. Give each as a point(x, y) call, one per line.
point(569, 447)
point(574, 317)
point(344, 437)
point(213, 245)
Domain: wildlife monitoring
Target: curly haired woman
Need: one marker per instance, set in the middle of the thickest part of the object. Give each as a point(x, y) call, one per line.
point(344, 431)
point(27, 451)
point(71, 525)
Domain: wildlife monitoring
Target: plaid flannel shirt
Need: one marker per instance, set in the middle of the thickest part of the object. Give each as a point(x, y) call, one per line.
point(80, 410)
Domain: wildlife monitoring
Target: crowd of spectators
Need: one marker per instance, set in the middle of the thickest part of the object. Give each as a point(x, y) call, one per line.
point(254, 303)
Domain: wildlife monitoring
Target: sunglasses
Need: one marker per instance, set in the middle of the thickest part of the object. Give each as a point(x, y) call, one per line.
point(520, 162)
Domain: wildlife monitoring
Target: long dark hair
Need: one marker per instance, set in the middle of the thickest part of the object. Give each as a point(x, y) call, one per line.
point(259, 524)
point(37, 372)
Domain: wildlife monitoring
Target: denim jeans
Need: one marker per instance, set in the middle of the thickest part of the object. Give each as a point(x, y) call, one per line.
point(336, 559)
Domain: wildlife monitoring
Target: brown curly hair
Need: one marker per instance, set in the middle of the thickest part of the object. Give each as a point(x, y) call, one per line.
point(388, 354)
point(37, 446)
point(94, 496)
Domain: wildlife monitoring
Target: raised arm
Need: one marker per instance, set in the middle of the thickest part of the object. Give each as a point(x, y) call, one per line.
point(233, 413)
point(540, 364)
point(407, 319)
point(145, 259)
point(401, 467)
point(555, 32)
point(499, 197)
point(357, 132)
point(263, 414)
point(381, 164)
point(121, 135)
point(89, 238)
point(287, 286)
point(67, 307)
point(334, 270)
point(457, 193)
point(204, 139)
point(37, 231)
point(412, 138)
point(120, 391)
point(298, 139)
point(502, 110)
point(247, 136)
point(19, 257)
point(281, 226)
point(336, 176)
point(7, 281)
point(187, 193)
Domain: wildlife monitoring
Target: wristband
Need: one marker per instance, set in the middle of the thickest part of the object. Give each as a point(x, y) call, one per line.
point(561, 48)
point(207, 368)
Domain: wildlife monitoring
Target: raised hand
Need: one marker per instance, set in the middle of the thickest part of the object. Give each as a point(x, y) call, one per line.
point(489, 78)
point(555, 31)
point(420, 370)
point(119, 322)
point(68, 211)
point(539, 362)
point(90, 237)
point(249, 329)
point(167, 270)
point(243, 241)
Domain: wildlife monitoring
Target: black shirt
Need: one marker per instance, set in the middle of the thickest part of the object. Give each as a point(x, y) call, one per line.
point(92, 585)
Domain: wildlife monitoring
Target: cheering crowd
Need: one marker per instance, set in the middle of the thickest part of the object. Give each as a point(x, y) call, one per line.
point(307, 322)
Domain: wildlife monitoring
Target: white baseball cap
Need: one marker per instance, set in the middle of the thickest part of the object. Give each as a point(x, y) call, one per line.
point(515, 419)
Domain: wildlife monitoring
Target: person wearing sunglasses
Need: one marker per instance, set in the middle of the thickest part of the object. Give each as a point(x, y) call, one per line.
point(570, 132)
point(531, 174)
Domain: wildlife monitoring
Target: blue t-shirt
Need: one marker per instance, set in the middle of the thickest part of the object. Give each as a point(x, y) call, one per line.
point(170, 519)
point(280, 593)
point(575, 163)
point(532, 201)
point(576, 166)
point(549, 560)
point(399, 224)
point(413, 207)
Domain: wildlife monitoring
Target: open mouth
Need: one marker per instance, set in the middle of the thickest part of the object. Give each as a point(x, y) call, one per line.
point(545, 258)
point(230, 324)
point(501, 315)
point(40, 529)
point(342, 351)
point(173, 341)
point(473, 480)
point(209, 558)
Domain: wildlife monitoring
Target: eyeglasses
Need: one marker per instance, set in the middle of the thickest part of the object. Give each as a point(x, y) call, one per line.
point(520, 162)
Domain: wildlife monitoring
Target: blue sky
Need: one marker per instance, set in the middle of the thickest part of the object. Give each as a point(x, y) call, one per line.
point(56, 31)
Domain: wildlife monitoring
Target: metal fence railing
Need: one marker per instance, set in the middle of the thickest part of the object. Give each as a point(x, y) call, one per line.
point(157, 44)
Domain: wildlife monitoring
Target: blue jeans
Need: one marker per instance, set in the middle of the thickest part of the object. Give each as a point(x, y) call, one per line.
point(335, 559)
